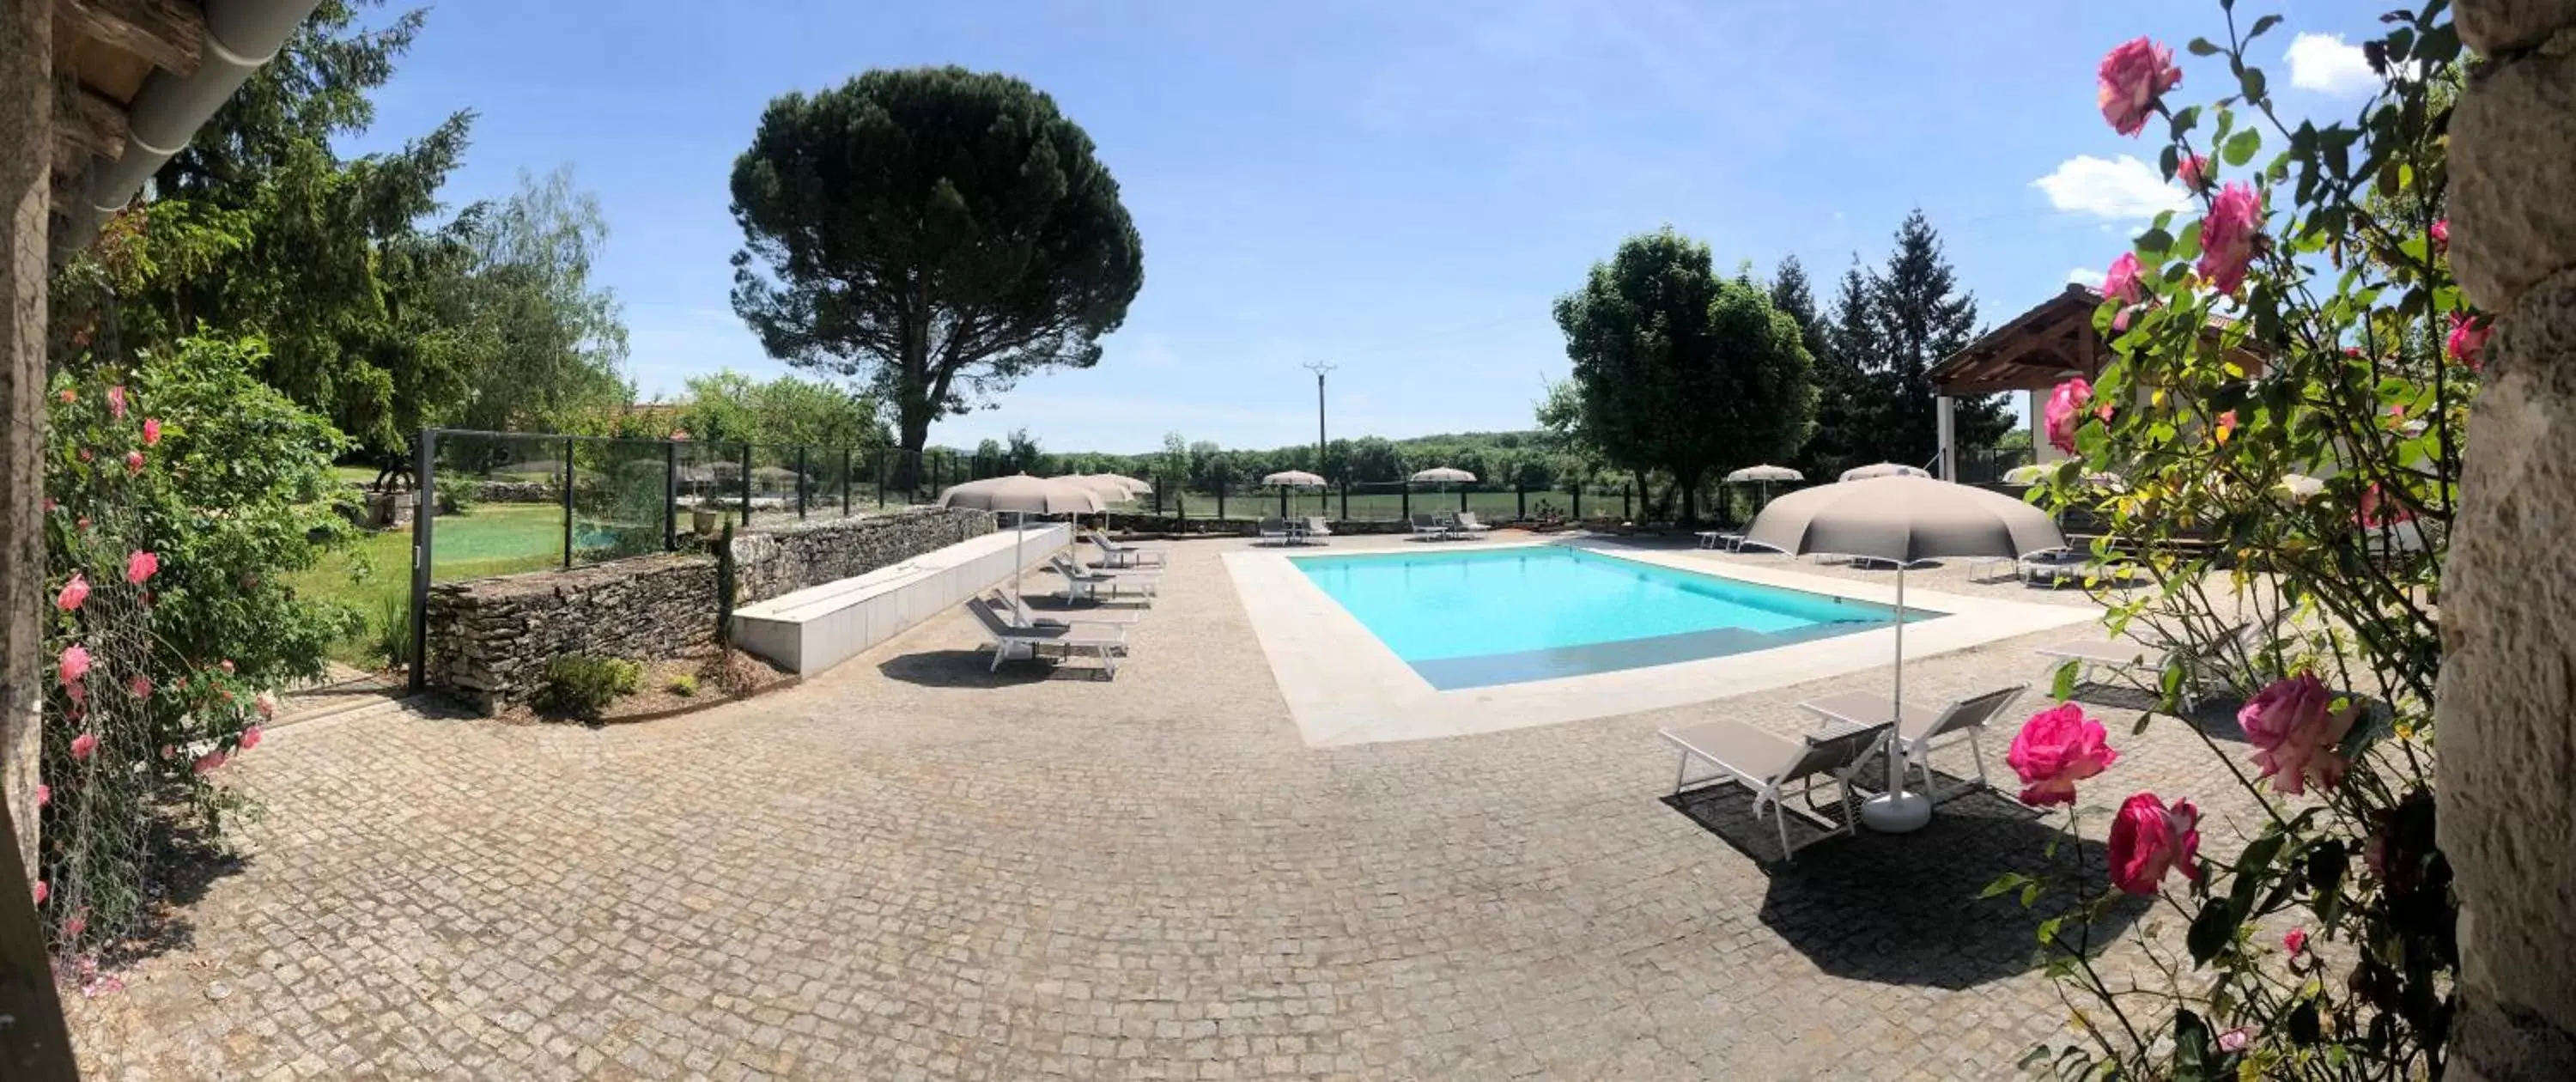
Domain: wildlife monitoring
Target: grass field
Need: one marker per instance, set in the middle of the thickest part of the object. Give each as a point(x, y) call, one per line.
point(374, 575)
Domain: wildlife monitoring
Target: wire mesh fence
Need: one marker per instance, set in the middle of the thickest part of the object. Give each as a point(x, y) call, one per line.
point(1394, 501)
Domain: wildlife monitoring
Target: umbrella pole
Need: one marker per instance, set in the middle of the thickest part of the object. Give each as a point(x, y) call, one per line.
point(1897, 811)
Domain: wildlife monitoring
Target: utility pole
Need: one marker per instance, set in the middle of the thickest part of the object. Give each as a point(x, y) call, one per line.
point(1319, 368)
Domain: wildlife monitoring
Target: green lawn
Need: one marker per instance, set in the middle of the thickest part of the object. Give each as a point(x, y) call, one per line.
point(374, 575)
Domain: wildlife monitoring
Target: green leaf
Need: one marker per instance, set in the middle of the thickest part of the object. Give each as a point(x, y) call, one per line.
point(2241, 146)
point(2191, 1046)
point(2260, 25)
point(2213, 930)
point(2062, 685)
point(2201, 47)
point(2154, 242)
point(2252, 81)
point(2184, 119)
point(2005, 882)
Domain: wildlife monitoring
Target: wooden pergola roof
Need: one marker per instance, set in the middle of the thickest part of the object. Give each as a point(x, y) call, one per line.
point(103, 52)
point(2041, 348)
point(2034, 350)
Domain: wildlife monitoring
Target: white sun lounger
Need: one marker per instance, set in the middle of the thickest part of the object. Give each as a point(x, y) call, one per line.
point(2138, 657)
point(1466, 521)
point(1924, 728)
point(1117, 555)
point(1010, 641)
point(1017, 609)
point(1086, 582)
point(1429, 529)
point(1777, 767)
point(1317, 527)
point(1275, 531)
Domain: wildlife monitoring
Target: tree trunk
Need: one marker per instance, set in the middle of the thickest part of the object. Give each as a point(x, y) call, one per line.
point(912, 433)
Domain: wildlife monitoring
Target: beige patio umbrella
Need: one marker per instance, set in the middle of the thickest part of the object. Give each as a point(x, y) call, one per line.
point(1764, 475)
point(1905, 521)
point(1133, 486)
point(1884, 469)
point(1109, 489)
point(1023, 495)
point(1445, 474)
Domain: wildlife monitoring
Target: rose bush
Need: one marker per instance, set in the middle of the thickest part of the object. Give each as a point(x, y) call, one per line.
point(2293, 365)
point(167, 626)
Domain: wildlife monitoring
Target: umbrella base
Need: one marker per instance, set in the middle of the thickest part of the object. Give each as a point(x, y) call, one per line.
point(1896, 813)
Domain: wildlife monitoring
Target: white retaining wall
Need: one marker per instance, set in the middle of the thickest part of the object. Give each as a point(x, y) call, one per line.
point(813, 629)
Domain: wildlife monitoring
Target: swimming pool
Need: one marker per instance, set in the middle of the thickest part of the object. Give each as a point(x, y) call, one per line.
point(1477, 618)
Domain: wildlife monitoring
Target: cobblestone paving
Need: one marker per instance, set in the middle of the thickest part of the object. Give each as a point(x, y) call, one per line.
point(908, 868)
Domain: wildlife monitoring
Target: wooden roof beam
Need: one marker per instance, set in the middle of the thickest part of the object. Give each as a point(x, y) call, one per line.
point(171, 34)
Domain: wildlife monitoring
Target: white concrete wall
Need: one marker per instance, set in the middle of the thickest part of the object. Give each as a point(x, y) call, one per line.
point(813, 629)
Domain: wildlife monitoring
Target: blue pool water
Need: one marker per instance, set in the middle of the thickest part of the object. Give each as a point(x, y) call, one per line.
point(1502, 616)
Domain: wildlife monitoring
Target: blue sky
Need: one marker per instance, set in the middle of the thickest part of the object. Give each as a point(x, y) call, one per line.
point(1396, 188)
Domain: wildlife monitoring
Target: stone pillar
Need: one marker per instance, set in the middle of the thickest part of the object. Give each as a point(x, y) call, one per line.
point(1946, 415)
point(2507, 734)
point(26, 156)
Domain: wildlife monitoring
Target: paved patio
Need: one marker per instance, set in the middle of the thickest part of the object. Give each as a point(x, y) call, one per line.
point(910, 868)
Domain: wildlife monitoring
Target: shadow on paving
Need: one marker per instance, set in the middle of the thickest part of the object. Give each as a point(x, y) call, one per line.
point(973, 669)
point(2216, 714)
point(1904, 908)
point(184, 864)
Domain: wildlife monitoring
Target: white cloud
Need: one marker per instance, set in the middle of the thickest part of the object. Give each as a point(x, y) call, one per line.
point(2323, 63)
point(2085, 276)
point(2120, 190)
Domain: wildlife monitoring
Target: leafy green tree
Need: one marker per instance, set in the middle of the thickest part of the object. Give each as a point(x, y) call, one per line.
point(544, 345)
point(1680, 370)
point(935, 233)
point(1850, 400)
point(732, 407)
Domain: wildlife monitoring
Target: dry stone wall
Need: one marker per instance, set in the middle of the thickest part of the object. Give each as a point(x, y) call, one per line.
point(490, 639)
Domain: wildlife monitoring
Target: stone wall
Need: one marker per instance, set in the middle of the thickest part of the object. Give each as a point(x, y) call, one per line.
point(490, 639)
point(2508, 663)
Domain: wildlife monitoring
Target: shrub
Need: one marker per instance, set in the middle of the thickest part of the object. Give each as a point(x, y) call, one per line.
point(460, 496)
point(183, 492)
point(391, 630)
point(582, 685)
point(683, 685)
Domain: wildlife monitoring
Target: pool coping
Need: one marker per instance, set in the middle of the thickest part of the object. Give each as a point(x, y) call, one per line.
point(1344, 687)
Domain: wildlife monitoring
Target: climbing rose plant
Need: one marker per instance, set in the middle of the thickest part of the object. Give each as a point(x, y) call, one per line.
point(2291, 368)
point(179, 490)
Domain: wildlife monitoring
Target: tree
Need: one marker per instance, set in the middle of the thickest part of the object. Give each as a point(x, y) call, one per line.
point(1922, 320)
point(1679, 370)
point(544, 344)
point(1849, 400)
point(732, 407)
point(935, 233)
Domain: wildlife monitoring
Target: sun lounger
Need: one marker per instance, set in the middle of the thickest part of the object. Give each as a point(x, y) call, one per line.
point(1426, 528)
point(1275, 531)
point(1017, 610)
point(1317, 527)
point(1777, 767)
point(2147, 657)
point(1086, 582)
point(1115, 554)
point(1466, 521)
point(1012, 641)
point(1924, 728)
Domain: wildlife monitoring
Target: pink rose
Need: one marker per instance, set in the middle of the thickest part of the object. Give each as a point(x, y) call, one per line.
point(2377, 509)
point(226, 665)
point(151, 431)
point(133, 462)
point(2468, 340)
point(84, 745)
point(2227, 237)
point(43, 892)
point(85, 455)
point(2235, 1040)
point(2149, 840)
point(2294, 729)
point(75, 926)
point(74, 592)
point(2055, 749)
point(116, 402)
point(2294, 940)
point(75, 664)
point(2133, 76)
point(2193, 171)
point(2065, 411)
point(2226, 425)
point(250, 738)
point(141, 686)
point(69, 396)
point(2120, 283)
point(44, 794)
point(266, 704)
point(141, 564)
point(208, 763)
point(679, 433)
point(2442, 235)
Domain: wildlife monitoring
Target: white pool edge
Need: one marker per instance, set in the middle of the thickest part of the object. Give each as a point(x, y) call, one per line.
point(1343, 686)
